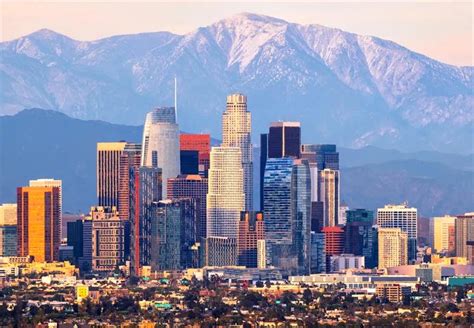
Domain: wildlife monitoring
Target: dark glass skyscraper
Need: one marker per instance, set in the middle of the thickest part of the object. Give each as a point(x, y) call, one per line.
point(361, 236)
point(189, 160)
point(284, 140)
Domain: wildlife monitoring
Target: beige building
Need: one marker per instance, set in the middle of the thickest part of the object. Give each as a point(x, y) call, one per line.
point(443, 234)
point(225, 197)
point(236, 132)
point(393, 247)
point(108, 172)
point(330, 196)
point(8, 214)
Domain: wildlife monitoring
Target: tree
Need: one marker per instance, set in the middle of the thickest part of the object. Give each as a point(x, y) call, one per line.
point(307, 296)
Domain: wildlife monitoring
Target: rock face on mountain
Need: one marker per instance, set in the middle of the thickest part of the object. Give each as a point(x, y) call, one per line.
point(345, 88)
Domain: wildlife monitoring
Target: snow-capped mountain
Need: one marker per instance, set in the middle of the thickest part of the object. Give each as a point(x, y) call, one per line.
point(345, 88)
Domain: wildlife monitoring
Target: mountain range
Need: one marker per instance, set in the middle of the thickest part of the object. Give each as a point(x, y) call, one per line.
point(349, 89)
point(39, 143)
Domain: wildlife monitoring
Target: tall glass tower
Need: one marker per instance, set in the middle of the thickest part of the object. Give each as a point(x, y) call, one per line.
point(160, 146)
point(236, 129)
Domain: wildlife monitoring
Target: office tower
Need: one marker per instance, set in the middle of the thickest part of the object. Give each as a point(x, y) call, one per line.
point(263, 162)
point(284, 140)
point(110, 238)
point(218, 251)
point(444, 234)
point(334, 240)
point(52, 183)
point(160, 146)
point(108, 172)
point(317, 216)
point(8, 229)
point(193, 187)
point(403, 217)
point(236, 129)
point(301, 206)
point(189, 160)
point(225, 197)
point(201, 143)
point(173, 235)
point(318, 252)
point(38, 223)
point(342, 218)
point(130, 158)
point(393, 247)
point(251, 231)
point(145, 193)
point(464, 229)
point(425, 232)
point(329, 195)
point(287, 206)
point(325, 156)
point(361, 236)
point(79, 236)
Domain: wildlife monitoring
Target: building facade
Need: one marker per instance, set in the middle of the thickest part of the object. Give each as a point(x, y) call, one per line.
point(251, 231)
point(160, 146)
point(361, 236)
point(464, 230)
point(8, 229)
point(225, 197)
point(218, 251)
point(403, 217)
point(129, 159)
point(329, 195)
point(236, 132)
point(38, 223)
point(201, 143)
point(194, 187)
point(393, 247)
point(108, 172)
point(444, 234)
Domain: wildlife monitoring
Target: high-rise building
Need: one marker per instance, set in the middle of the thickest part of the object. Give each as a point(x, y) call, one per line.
point(317, 215)
point(464, 230)
point(334, 240)
point(393, 247)
point(160, 146)
point(38, 223)
point(110, 238)
point(194, 187)
point(251, 231)
point(444, 234)
point(329, 195)
point(263, 162)
point(218, 251)
point(108, 172)
point(8, 229)
point(225, 197)
point(79, 237)
point(201, 143)
point(51, 183)
point(173, 235)
point(361, 236)
point(287, 208)
point(236, 132)
point(130, 158)
point(189, 160)
point(284, 140)
point(403, 217)
point(326, 156)
point(145, 193)
point(318, 252)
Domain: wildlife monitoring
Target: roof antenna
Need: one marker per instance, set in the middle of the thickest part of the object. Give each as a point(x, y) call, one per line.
point(176, 99)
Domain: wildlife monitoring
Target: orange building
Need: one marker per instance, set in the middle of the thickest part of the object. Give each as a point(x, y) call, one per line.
point(334, 238)
point(39, 222)
point(199, 142)
point(251, 230)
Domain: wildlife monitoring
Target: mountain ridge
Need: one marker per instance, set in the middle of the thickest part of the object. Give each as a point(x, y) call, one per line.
point(350, 89)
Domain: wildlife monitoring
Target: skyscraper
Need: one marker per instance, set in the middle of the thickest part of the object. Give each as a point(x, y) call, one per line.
point(225, 197)
point(129, 159)
point(286, 204)
point(39, 223)
point(361, 236)
point(329, 195)
point(444, 234)
point(108, 172)
point(284, 140)
point(8, 229)
point(145, 192)
point(318, 252)
point(189, 160)
point(201, 143)
point(393, 247)
point(236, 132)
point(263, 162)
point(334, 240)
point(464, 229)
point(160, 146)
point(325, 156)
point(79, 236)
point(251, 231)
point(110, 238)
point(194, 187)
point(403, 217)
point(173, 234)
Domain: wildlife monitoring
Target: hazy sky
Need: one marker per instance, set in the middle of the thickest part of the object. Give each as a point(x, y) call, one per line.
point(441, 30)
